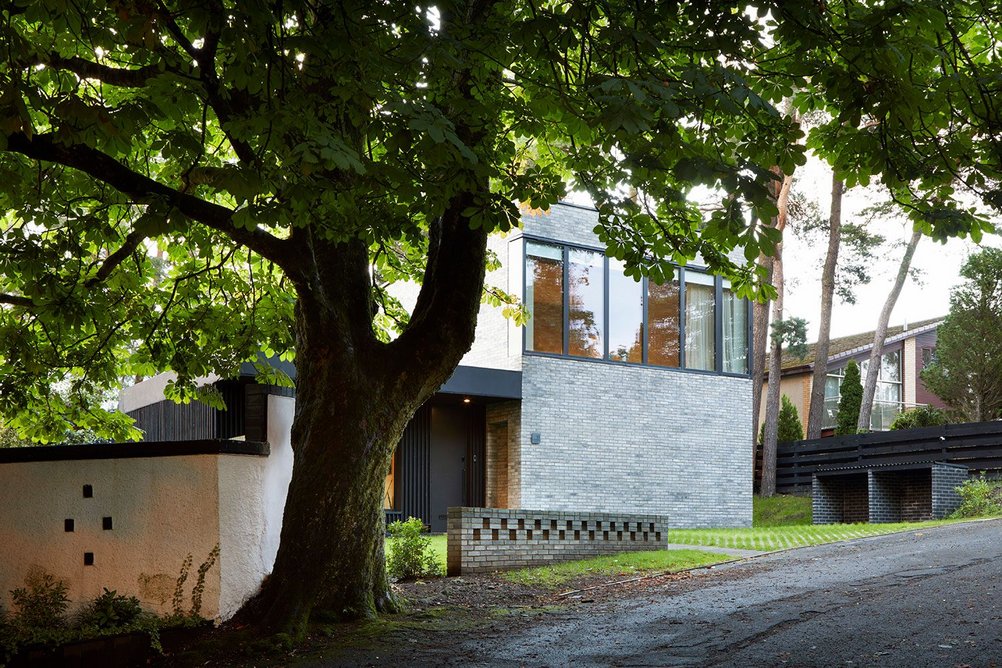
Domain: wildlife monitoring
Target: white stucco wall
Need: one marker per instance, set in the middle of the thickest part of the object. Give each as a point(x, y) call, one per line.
point(252, 494)
point(162, 509)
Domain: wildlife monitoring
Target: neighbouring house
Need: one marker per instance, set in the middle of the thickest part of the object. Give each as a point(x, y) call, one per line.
point(908, 348)
point(619, 396)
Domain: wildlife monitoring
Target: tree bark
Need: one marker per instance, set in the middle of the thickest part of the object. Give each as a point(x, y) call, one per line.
point(354, 397)
point(768, 484)
point(873, 368)
point(815, 413)
point(760, 346)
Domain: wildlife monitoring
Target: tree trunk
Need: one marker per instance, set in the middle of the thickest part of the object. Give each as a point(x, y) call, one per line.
point(873, 368)
point(760, 346)
point(768, 485)
point(815, 413)
point(354, 397)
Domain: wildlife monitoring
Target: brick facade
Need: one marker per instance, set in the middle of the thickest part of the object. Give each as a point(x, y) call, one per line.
point(483, 539)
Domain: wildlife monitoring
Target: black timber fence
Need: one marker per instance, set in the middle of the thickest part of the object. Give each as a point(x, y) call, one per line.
point(976, 445)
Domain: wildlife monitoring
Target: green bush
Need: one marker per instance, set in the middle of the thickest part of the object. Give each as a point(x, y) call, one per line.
point(41, 602)
point(923, 416)
point(110, 610)
point(789, 428)
point(979, 498)
point(410, 555)
point(851, 398)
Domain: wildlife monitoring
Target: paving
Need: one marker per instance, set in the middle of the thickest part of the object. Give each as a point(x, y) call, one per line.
point(929, 597)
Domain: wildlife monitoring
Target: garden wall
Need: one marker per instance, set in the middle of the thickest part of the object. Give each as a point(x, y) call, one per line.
point(490, 539)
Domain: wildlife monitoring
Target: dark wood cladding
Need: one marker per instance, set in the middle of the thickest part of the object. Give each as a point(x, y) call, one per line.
point(413, 469)
point(476, 458)
point(167, 421)
point(54, 453)
point(976, 445)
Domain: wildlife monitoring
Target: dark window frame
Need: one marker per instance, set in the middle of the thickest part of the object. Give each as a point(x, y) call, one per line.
point(718, 331)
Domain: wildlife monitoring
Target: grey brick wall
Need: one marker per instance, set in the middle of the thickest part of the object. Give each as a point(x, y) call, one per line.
point(618, 438)
point(945, 481)
point(485, 539)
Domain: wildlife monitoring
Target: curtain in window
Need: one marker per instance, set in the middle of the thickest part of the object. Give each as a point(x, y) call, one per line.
point(699, 324)
point(735, 314)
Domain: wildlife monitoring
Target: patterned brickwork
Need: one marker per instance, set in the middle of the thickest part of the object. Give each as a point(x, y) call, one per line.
point(490, 539)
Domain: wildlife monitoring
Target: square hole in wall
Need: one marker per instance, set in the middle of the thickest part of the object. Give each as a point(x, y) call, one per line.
point(528, 534)
point(494, 534)
point(546, 534)
point(68, 525)
point(561, 534)
point(512, 535)
point(487, 523)
point(504, 524)
point(591, 535)
point(476, 534)
point(88, 558)
point(106, 523)
point(88, 491)
point(577, 535)
point(539, 525)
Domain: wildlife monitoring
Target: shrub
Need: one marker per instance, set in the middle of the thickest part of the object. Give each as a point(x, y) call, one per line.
point(923, 416)
point(41, 602)
point(789, 428)
point(979, 498)
point(110, 610)
point(411, 555)
point(851, 391)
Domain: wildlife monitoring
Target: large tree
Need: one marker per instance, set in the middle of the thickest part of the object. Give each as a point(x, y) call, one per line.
point(189, 183)
point(967, 371)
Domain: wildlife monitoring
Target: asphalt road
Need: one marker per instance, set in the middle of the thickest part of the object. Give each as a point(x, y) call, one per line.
point(928, 598)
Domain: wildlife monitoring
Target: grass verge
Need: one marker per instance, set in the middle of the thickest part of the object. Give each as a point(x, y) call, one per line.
point(767, 539)
point(781, 510)
point(624, 564)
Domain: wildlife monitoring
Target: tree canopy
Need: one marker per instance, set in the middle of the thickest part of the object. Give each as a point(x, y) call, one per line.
point(966, 372)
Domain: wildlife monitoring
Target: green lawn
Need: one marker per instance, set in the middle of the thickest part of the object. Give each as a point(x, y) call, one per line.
point(626, 563)
point(777, 538)
point(781, 510)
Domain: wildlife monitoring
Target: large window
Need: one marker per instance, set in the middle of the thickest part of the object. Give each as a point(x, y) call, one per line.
point(735, 316)
point(583, 304)
point(544, 297)
point(700, 309)
point(663, 324)
point(887, 398)
point(626, 316)
point(586, 316)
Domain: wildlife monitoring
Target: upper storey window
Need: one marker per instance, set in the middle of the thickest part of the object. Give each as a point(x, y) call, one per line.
point(582, 304)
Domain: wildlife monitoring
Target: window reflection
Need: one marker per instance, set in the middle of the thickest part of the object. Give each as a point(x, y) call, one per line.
point(544, 298)
point(626, 315)
point(699, 321)
point(662, 324)
point(586, 322)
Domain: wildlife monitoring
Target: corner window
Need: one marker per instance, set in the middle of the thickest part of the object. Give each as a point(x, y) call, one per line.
point(699, 322)
point(582, 304)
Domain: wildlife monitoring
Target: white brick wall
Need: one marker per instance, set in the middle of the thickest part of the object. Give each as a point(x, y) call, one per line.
point(617, 438)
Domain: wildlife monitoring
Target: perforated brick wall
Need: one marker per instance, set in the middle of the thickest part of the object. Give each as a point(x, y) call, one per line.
point(490, 539)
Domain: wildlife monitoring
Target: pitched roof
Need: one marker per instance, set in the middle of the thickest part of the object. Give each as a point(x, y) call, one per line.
point(847, 346)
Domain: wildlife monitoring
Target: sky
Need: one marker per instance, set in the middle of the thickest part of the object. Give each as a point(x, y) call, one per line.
point(927, 297)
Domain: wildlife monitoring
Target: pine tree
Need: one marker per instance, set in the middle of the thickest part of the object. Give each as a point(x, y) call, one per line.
point(851, 399)
point(789, 428)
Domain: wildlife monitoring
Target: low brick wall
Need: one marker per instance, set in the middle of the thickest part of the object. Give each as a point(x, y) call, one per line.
point(490, 539)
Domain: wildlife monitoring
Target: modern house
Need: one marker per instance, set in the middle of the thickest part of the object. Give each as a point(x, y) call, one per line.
point(619, 396)
point(908, 348)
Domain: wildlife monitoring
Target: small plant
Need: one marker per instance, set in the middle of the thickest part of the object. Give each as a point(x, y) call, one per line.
point(41, 602)
point(923, 416)
point(789, 428)
point(199, 588)
point(110, 610)
point(979, 498)
point(411, 555)
point(177, 600)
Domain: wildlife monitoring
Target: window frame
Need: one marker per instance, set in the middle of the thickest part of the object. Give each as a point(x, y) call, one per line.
point(680, 272)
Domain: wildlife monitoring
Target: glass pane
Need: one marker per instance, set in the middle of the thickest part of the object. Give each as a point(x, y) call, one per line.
point(888, 392)
point(544, 298)
point(587, 303)
point(662, 324)
point(699, 353)
point(626, 315)
point(735, 313)
point(832, 386)
point(890, 367)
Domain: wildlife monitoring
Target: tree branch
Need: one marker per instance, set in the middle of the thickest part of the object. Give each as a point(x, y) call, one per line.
point(115, 76)
point(106, 169)
point(17, 300)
